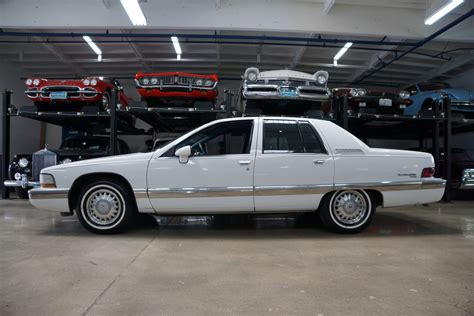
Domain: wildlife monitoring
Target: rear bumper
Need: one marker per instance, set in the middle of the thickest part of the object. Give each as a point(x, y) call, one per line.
point(55, 200)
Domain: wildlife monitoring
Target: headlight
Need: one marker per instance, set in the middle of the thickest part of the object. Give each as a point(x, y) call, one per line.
point(154, 80)
point(321, 76)
point(66, 160)
point(36, 82)
point(209, 83)
point(251, 74)
point(17, 176)
point(404, 94)
point(23, 162)
point(29, 82)
point(47, 181)
point(86, 82)
point(145, 81)
point(358, 92)
point(93, 82)
point(199, 82)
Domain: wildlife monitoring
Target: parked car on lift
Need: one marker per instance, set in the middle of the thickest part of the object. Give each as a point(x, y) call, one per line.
point(72, 149)
point(74, 94)
point(426, 95)
point(178, 89)
point(283, 92)
point(374, 101)
point(244, 165)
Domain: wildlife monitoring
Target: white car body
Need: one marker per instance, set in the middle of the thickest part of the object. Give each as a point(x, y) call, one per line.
point(254, 182)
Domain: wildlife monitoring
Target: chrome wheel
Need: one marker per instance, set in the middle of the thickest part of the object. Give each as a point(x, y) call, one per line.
point(103, 207)
point(350, 209)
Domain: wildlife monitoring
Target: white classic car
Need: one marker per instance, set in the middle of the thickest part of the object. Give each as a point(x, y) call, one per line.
point(244, 165)
point(285, 84)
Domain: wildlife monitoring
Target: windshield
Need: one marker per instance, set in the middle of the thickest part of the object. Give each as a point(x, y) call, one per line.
point(85, 144)
point(433, 86)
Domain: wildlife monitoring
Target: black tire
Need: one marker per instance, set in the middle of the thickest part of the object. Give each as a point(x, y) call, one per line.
point(349, 216)
point(106, 207)
point(22, 193)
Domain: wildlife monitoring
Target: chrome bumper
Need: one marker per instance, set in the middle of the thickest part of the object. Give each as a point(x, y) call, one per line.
point(273, 92)
point(23, 183)
point(467, 180)
point(50, 199)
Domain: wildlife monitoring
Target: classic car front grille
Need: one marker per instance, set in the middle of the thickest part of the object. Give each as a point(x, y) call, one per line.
point(287, 83)
point(71, 91)
point(176, 80)
point(262, 89)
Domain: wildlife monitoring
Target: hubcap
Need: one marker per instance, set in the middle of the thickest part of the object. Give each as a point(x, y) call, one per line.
point(104, 207)
point(349, 207)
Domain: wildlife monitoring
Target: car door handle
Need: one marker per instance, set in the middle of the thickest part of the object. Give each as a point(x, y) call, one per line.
point(318, 162)
point(244, 162)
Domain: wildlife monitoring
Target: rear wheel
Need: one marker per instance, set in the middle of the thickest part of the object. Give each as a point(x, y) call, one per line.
point(105, 207)
point(347, 211)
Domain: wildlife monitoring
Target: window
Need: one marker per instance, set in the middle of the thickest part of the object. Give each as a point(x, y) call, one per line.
point(284, 136)
point(228, 138)
point(280, 136)
point(312, 143)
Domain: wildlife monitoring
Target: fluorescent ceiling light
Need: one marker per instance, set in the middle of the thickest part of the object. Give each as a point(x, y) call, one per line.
point(341, 52)
point(134, 12)
point(177, 48)
point(178, 57)
point(448, 7)
point(94, 47)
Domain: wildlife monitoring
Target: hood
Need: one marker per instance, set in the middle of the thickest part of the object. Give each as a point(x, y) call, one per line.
point(120, 159)
point(459, 94)
point(284, 73)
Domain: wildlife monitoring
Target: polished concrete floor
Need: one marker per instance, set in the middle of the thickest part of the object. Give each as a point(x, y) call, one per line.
point(413, 260)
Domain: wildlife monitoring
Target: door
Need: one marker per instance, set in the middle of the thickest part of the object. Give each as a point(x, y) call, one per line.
point(218, 176)
point(293, 169)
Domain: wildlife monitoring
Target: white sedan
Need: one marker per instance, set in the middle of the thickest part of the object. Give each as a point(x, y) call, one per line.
point(244, 165)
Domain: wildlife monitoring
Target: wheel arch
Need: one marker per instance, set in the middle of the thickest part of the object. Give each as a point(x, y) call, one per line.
point(376, 196)
point(78, 184)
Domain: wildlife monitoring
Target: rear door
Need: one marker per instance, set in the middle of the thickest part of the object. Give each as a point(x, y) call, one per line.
point(293, 169)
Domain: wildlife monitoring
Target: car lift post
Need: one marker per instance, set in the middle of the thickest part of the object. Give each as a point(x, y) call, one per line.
point(343, 111)
point(447, 147)
point(5, 119)
point(435, 141)
point(228, 102)
point(113, 123)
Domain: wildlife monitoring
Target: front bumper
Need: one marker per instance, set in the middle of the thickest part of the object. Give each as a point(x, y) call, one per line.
point(179, 92)
point(467, 180)
point(268, 91)
point(55, 200)
point(23, 183)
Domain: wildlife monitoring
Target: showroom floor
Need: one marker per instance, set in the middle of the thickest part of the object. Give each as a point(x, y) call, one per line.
point(413, 260)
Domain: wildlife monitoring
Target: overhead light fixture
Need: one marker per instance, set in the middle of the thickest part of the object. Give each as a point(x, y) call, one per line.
point(341, 52)
point(177, 47)
point(448, 7)
point(94, 47)
point(134, 12)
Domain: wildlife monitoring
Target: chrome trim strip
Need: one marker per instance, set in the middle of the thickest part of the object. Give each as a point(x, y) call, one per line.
point(140, 193)
point(293, 189)
point(348, 150)
point(41, 194)
point(395, 185)
point(162, 193)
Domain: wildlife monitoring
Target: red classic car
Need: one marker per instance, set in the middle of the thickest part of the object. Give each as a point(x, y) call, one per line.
point(375, 101)
point(176, 88)
point(73, 94)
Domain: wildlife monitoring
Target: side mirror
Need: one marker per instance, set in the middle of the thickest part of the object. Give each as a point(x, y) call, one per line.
point(183, 154)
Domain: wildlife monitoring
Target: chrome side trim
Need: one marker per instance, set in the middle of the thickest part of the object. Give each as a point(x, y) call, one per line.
point(140, 193)
point(348, 151)
point(41, 194)
point(395, 185)
point(162, 193)
point(293, 189)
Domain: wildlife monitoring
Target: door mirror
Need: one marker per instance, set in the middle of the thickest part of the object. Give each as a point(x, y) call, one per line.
point(183, 154)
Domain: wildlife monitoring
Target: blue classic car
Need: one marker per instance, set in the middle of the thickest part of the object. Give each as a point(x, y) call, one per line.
point(427, 94)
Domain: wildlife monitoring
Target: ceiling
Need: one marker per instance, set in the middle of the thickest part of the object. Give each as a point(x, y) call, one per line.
point(229, 52)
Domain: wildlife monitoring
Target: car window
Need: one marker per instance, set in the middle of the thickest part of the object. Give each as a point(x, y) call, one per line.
point(281, 136)
point(227, 138)
point(312, 142)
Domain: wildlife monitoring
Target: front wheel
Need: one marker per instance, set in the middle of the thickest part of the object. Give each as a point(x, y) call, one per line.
point(105, 207)
point(347, 211)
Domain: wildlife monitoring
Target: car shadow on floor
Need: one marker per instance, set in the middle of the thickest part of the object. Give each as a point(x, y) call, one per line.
point(268, 226)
